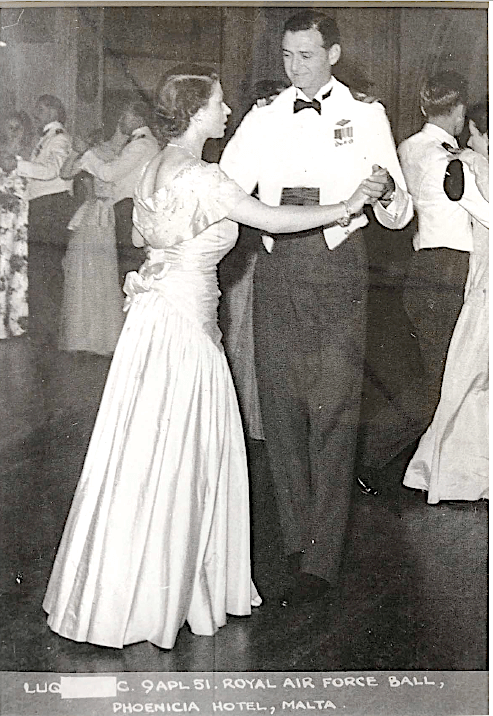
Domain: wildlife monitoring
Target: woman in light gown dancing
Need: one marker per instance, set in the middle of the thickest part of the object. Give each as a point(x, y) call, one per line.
point(91, 315)
point(158, 531)
point(451, 462)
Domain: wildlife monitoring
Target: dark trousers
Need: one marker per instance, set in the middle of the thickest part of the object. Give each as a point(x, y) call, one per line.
point(47, 242)
point(309, 328)
point(433, 298)
point(129, 256)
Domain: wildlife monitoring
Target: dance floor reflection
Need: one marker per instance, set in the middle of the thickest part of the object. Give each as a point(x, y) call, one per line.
point(413, 591)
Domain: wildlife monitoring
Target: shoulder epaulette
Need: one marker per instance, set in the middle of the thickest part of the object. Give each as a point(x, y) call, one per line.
point(362, 97)
point(264, 101)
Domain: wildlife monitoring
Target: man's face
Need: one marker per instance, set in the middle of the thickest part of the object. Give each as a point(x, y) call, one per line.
point(307, 63)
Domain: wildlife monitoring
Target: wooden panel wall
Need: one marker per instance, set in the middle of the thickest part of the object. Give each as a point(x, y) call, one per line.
point(94, 58)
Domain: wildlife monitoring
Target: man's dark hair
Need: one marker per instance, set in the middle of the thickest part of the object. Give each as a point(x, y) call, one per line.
point(442, 92)
point(315, 20)
point(52, 102)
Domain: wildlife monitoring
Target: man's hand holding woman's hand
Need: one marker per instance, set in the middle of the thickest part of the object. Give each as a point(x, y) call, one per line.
point(379, 186)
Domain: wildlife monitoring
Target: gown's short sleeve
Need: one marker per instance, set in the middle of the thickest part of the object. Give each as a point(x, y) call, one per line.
point(201, 195)
point(217, 203)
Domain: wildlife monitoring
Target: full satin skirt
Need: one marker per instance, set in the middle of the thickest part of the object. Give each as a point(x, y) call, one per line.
point(451, 462)
point(158, 531)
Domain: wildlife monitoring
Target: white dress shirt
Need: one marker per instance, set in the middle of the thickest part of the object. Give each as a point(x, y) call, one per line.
point(124, 171)
point(442, 223)
point(47, 159)
point(334, 151)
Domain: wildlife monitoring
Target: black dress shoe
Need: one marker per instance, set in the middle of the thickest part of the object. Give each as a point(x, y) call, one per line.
point(365, 488)
point(307, 588)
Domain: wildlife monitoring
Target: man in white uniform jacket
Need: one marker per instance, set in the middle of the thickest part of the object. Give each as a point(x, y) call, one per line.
point(314, 143)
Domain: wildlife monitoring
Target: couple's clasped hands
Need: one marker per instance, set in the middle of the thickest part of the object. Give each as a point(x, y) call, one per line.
point(378, 186)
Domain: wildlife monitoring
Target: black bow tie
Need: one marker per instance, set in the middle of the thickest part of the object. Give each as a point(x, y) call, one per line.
point(303, 104)
point(314, 104)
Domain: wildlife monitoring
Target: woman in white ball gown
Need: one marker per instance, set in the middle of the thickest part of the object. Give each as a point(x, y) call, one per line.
point(158, 530)
point(451, 462)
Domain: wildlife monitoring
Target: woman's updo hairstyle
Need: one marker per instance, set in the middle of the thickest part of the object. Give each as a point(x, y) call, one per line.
point(179, 96)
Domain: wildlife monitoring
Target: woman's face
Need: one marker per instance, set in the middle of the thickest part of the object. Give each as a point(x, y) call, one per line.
point(214, 115)
point(477, 141)
point(14, 131)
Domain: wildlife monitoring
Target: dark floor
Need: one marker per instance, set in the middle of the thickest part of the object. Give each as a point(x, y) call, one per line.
point(413, 591)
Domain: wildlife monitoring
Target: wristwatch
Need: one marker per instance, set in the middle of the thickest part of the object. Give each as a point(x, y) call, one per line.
point(346, 219)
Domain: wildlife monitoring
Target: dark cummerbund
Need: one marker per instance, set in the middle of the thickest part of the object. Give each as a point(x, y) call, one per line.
point(299, 196)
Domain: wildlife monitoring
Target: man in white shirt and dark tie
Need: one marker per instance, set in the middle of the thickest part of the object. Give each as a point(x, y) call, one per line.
point(124, 172)
point(434, 289)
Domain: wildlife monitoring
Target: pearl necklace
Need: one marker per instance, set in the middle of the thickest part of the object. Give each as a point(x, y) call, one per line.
point(179, 146)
